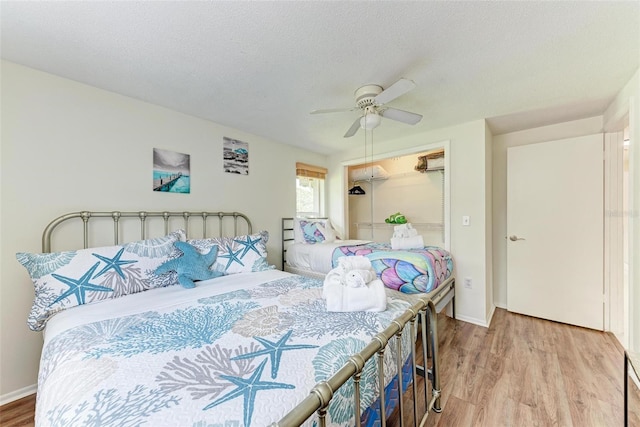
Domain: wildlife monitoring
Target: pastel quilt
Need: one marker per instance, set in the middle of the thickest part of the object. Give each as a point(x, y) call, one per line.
point(239, 350)
point(408, 271)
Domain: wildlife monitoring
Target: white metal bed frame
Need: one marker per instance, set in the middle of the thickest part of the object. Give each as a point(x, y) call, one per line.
point(424, 310)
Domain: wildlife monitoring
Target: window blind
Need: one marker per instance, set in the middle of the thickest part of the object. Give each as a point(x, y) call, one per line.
point(310, 171)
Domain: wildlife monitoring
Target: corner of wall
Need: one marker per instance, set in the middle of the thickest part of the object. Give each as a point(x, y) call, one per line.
point(488, 174)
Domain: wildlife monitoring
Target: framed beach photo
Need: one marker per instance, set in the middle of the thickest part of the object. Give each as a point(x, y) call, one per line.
point(171, 171)
point(235, 156)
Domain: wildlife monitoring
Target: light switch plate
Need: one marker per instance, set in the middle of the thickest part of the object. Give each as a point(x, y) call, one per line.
point(466, 220)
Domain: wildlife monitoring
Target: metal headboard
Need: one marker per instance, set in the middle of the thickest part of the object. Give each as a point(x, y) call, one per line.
point(142, 216)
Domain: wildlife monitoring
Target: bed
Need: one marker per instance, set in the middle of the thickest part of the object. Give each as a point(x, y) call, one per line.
point(248, 345)
point(311, 248)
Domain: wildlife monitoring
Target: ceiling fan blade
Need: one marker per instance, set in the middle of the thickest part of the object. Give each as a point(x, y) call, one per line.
point(401, 116)
point(334, 110)
point(353, 129)
point(397, 89)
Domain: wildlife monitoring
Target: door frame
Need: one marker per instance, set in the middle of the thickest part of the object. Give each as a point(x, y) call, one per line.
point(616, 287)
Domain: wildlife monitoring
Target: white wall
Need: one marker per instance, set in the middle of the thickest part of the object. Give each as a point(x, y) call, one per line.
point(66, 147)
point(500, 144)
point(469, 188)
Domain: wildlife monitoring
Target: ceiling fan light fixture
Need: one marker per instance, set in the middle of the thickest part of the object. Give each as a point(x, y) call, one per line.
point(370, 121)
point(371, 100)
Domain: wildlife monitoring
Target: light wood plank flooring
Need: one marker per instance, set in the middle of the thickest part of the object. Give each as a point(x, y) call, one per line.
point(18, 413)
point(524, 371)
point(521, 371)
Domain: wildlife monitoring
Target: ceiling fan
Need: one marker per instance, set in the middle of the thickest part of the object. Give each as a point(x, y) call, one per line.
point(371, 100)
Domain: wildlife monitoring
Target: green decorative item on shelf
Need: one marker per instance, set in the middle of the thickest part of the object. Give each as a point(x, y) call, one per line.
point(396, 218)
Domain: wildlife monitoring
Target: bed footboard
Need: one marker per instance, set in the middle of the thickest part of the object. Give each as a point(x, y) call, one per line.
point(320, 396)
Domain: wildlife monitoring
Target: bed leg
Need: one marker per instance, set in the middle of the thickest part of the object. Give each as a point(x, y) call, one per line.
point(424, 326)
point(453, 306)
point(432, 321)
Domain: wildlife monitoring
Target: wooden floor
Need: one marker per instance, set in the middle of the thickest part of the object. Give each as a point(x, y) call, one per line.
point(521, 371)
point(18, 413)
point(524, 371)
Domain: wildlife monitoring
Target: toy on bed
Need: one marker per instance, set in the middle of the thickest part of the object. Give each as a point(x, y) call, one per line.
point(191, 265)
point(396, 218)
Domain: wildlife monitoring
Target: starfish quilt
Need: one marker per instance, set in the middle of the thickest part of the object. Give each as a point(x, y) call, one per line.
point(238, 350)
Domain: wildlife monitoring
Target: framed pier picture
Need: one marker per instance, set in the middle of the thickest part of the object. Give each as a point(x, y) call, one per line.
point(171, 171)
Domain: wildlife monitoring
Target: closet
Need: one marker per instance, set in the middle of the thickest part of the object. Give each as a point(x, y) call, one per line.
point(413, 185)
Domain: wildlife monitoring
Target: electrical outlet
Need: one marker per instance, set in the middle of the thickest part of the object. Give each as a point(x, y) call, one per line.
point(468, 282)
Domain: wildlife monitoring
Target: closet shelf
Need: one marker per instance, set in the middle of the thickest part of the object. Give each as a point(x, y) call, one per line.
point(357, 181)
point(397, 175)
point(421, 225)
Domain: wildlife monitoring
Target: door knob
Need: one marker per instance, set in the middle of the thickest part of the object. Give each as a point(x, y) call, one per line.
point(514, 238)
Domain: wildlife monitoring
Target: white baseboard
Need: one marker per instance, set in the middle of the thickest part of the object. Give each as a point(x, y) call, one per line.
point(18, 394)
point(473, 320)
point(490, 317)
point(480, 322)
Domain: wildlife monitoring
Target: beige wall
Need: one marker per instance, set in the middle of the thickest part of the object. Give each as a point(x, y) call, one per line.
point(469, 188)
point(66, 147)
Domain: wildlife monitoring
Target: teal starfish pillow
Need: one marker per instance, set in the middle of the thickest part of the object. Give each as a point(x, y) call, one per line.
point(62, 280)
point(191, 266)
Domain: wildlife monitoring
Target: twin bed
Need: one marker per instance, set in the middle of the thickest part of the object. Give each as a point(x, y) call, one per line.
point(311, 248)
point(127, 342)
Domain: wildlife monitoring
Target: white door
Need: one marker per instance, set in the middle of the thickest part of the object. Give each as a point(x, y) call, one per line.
point(555, 230)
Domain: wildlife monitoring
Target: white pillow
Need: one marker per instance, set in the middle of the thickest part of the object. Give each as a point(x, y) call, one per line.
point(329, 233)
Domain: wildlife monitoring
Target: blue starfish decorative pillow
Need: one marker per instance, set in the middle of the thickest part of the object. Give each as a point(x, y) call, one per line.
point(239, 254)
point(191, 266)
point(66, 279)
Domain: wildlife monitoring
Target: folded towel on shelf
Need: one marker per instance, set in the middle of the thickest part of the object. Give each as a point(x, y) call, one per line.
point(371, 297)
point(404, 230)
point(358, 262)
point(359, 278)
point(416, 242)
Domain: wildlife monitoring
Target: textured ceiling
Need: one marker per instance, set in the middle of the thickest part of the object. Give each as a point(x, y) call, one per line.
point(263, 66)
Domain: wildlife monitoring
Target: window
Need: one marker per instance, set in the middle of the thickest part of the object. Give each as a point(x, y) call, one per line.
point(310, 190)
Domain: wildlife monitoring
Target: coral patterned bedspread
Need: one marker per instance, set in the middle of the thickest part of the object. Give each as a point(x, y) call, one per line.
point(239, 350)
point(408, 271)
